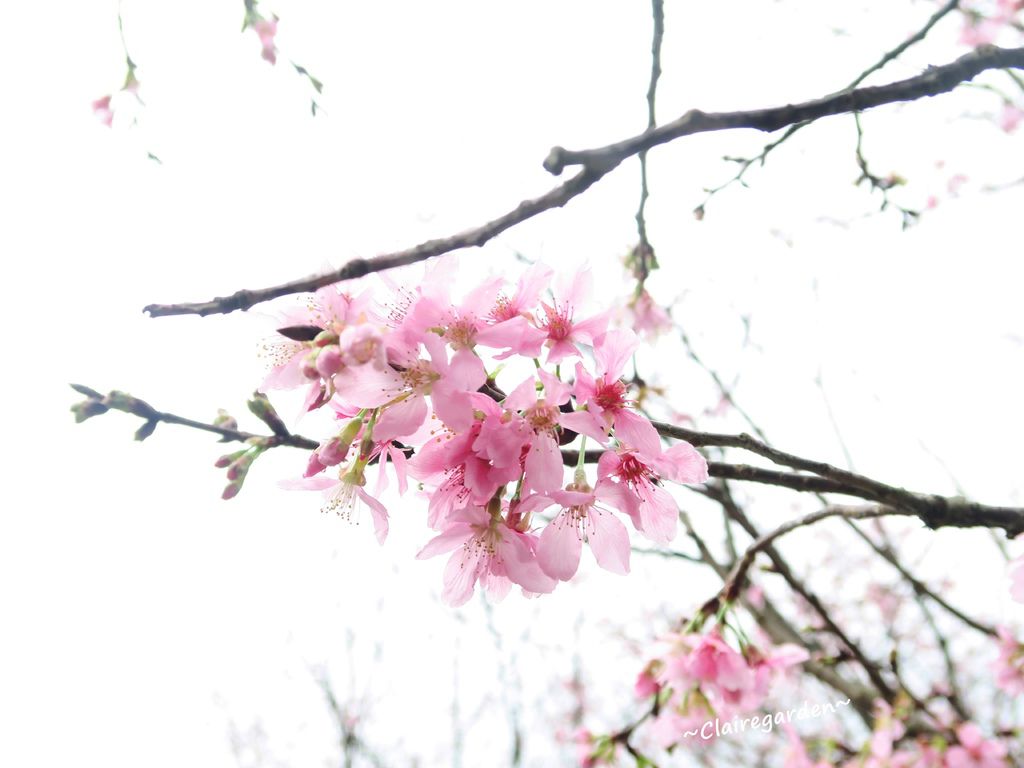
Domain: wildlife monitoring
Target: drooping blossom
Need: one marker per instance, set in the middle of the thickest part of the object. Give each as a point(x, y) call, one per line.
point(344, 494)
point(580, 519)
point(266, 30)
point(646, 317)
point(489, 551)
point(631, 482)
point(706, 677)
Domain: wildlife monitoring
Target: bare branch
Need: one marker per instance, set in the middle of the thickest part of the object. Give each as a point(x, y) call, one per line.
point(598, 162)
point(470, 238)
point(737, 578)
point(932, 82)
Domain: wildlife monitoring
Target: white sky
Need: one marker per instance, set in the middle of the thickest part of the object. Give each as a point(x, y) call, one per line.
point(143, 615)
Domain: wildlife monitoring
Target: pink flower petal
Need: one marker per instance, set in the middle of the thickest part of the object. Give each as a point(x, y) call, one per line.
point(609, 541)
point(544, 470)
point(401, 419)
point(559, 550)
point(379, 514)
point(521, 564)
point(636, 431)
point(446, 541)
point(612, 351)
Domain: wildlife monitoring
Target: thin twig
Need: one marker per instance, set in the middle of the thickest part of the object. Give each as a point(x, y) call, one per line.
point(645, 251)
point(759, 160)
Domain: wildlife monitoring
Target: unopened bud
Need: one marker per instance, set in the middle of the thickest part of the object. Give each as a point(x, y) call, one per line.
point(314, 465)
point(308, 366)
point(325, 339)
point(329, 361)
point(238, 468)
point(226, 460)
point(332, 452)
point(231, 490)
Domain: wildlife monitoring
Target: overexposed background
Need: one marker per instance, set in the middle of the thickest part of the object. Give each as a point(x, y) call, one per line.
point(146, 621)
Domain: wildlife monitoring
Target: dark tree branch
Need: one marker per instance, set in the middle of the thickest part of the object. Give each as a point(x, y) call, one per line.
point(470, 238)
point(936, 511)
point(774, 623)
point(737, 578)
point(932, 82)
point(599, 162)
point(920, 588)
point(97, 403)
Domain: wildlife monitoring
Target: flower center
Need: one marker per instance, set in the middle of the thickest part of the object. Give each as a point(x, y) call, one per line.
point(558, 324)
point(542, 417)
point(461, 334)
point(633, 471)
point(503, 309)
point(611, 395)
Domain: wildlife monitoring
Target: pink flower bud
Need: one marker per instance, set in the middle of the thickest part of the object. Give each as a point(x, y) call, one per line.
point(325, 339)
point(329, 362)
point(333, 451)
point(646, 685)
point(231, 490)
point(101, 108)
point(266, 29)
point(314, 465)
point(308, 367)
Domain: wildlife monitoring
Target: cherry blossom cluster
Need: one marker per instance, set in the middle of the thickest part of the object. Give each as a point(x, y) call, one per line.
point(985, 21)
point(891, 744)
point(702, 677)
point(415, 380)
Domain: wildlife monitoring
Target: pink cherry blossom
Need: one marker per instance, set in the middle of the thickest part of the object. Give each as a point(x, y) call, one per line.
point(1010, 117)
point(974, 750)
point(719, 667)
point(512, 326)
point(1009, 667)
point(631, 483)
point(344, 495)
point(266, 30)
point(543, 470)
point(604, 396)
point(1017, 579)
point(646, 317)
point(103, 111)
point(489, 551)
point(796, 756)
point(558, 319)
point(461, 472)
point(403, 387)
point(581, 518)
